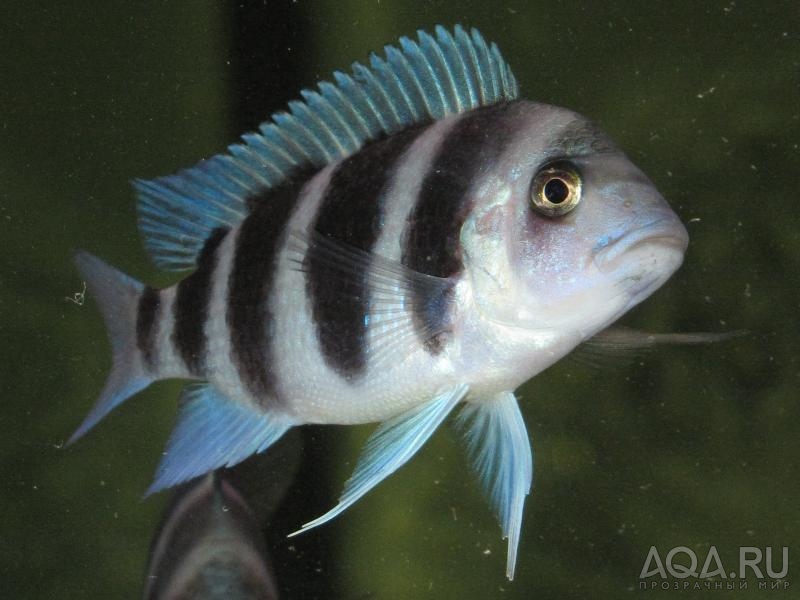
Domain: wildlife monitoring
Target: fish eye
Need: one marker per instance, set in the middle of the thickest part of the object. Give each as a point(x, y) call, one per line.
point(556, 189)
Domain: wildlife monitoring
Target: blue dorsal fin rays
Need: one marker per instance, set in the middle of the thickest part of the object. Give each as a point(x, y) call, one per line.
point(419, 82)
point(212, 432)
point(498, 446)
point(390, 447)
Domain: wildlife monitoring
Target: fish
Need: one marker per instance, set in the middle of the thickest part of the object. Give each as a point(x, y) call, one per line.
point(210, 543)
point(209, 547)
point(409, 240)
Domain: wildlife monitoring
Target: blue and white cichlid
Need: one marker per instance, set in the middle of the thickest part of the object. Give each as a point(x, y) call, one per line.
point(407, 239)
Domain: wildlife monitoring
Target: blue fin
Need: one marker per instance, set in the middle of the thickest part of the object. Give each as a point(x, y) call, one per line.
point(500, 451)
point(117, 296)
point(420, 82)
point(390, 447)
point(212, 432)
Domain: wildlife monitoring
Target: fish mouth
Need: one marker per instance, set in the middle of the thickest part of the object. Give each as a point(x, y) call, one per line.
point(666, 233)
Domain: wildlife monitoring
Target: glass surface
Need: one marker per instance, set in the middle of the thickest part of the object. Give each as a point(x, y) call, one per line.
point(684, 446)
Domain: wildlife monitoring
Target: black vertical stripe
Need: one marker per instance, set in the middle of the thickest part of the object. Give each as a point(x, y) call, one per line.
point(431, 244)
point(146, 325)
point(255, 263)
point(191, 307)
point(351, 213)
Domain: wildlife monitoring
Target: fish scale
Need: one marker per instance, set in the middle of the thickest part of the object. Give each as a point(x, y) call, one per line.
point(408, 239)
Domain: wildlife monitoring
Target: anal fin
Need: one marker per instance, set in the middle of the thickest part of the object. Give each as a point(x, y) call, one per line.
point(498, 445)
point(390, 447)
point(213, 431)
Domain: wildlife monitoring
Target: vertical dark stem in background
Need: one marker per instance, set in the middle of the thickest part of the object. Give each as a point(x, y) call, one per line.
point(268, 69)
point(268, 64)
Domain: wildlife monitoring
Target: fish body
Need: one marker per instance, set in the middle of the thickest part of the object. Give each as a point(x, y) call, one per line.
point(209, 548)
point(411, 238)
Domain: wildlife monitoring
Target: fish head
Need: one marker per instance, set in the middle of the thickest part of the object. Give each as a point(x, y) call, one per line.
point(566, 233)
point(209, 545)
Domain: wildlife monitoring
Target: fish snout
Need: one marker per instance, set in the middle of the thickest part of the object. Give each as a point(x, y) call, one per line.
point(664, 235)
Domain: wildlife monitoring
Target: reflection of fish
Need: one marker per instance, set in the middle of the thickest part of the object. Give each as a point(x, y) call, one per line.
point(209, 547)
point(409, 238)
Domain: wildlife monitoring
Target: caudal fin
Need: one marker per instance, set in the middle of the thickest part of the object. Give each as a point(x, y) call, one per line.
point(117, 296)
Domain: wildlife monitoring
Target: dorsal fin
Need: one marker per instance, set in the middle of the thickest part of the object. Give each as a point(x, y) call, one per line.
point(421, 81)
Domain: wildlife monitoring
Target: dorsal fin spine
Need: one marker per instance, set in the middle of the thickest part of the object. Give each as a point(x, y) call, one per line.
point(461, 40)
point(390, 86)
point(440, 67)
point(341, 131)
point(413, 61)
point(318, 134)
point(249, 166)
point(359, 102)
point(409, 81)
point(253, 166)
point(483, 65)
point(306, 134)
point(480, 85)
point(380, 94)
point(290, 133)
point(264, 145)
point(443, 73)
point(347, 115)
point(427, 56)
point(458, 68)
point(246, 177)
point(497, 58)
point(492, 74)
point(334, 95)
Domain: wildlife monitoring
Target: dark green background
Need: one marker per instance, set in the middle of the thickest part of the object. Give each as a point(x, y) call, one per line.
point(688, 446)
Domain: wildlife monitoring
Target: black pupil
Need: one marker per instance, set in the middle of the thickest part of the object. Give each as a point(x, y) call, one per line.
point(556, 191)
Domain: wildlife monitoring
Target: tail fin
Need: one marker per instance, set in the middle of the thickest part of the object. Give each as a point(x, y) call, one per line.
point(117, 295)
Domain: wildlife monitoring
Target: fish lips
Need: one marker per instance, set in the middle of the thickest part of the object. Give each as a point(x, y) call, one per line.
point(667, 234)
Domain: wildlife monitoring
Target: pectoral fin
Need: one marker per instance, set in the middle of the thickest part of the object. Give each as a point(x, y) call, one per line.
point(498, 445)
point(390, 447)
point(400, 305)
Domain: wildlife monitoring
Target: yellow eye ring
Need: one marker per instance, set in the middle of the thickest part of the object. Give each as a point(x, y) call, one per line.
point(556, 189)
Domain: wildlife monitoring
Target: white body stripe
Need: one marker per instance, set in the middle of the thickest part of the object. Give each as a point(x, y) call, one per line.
point(223, 372)
point(169, 362)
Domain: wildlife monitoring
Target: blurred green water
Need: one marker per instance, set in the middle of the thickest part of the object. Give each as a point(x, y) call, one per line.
point(686, 447)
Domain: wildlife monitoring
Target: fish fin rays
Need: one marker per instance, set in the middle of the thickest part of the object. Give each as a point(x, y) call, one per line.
point(619, 345)
point(213, 431)
point(178, 213)
point(390, 447)
point(420, 82)
point(117, 296)
point(395, 321)
point(500, 451)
